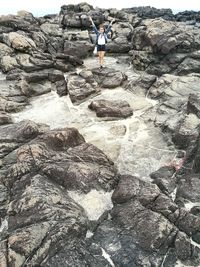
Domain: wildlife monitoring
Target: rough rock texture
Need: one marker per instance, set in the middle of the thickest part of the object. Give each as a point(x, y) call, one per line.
point(18, 41)
point(81, 86)
point(23, 21)
point(113, 109)
point(108, 78)
point(119, 44)
point(5, 50)
point(15, 91)
point(5, 118)
point(45, 215)
point(166, 36)
point(8, 63)
point(190, 17)
point(35, 177)
point(188, 188)
point(165, 178)
point(177, 115)
point(151, 12)
point(166, 47)
point(13, 136)
point(45, 154)
point(193, 105)
point(79, 49)
point(44, 81)
point(142, 213)
point(11, 97)
point(152, 223)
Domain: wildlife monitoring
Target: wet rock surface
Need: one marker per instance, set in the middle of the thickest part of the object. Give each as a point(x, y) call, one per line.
point(35, 178)
point(142, 213)
point(108, 78)
point(81, 86)
point(46, 174)
point(113, 109)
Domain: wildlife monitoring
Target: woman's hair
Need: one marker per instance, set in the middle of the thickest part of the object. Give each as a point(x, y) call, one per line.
point(101, 26)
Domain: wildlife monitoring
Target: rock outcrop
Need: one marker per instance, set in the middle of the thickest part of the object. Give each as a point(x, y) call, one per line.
point(111, 109)
point(152, 221)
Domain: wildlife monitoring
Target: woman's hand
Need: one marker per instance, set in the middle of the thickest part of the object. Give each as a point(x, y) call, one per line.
point(113, 20)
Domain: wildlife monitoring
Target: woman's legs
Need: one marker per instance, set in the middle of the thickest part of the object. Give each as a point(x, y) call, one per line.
point(99, 54)
point(101, 57)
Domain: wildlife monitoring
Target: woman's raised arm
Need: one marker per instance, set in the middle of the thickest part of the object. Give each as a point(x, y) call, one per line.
point(94, 27)
point(109, 26)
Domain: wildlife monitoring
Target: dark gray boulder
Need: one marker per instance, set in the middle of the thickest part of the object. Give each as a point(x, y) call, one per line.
point(111, 109)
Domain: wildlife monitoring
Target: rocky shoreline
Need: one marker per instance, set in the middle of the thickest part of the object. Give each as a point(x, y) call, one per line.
point(151, 220)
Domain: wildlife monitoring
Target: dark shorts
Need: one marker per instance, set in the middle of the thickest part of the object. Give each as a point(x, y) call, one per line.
point(101, 48)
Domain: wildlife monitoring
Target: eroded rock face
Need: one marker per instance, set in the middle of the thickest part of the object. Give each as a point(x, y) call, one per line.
point(193, 105)
point(62, 155)
point(5, 50)
point(45, 216)
point(119, 45)
point(149, 225)
point(175, 36)
point(5, 118)
point(19, 86)
point(188, 188)
point(177, 115)
point(112, 109)
point(44, 81)
point(19, 42)
point(35, 178)
point(162, 46)
point(81, 88)
point(165, 178)
point(142, 213)
point(80, 49)
point(151, 12)
point(190, 17)
point(108, 78)
point(142, 208)
point(23, 21)
point(14, 135)
point(8, 63)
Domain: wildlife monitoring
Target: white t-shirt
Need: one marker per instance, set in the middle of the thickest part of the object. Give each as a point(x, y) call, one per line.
point(101, 40)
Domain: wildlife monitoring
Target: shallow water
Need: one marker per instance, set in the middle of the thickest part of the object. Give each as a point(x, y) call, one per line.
point(99, 199)
point(136, 147)
point(2, 76)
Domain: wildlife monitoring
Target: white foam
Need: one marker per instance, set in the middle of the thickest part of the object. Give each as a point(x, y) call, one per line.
point(2, 76)
point(89, 234)
point(180, 264)
point(4, 225)
point(95, 203)
point(173, 194)
point(194, 243)
point(107, 257)
point(189, 205)
point(130, 145)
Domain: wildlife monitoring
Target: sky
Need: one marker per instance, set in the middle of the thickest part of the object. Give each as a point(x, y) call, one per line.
point(42, 7)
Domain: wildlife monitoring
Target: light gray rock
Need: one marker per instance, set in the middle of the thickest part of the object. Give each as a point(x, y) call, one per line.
point(19, 42)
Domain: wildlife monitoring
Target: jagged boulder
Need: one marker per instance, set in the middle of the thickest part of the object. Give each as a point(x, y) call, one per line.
point(112, 109)
point(18, 41)
point(108, 77)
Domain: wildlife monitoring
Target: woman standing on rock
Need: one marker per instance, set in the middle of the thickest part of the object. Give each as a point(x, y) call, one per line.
point(102, 39)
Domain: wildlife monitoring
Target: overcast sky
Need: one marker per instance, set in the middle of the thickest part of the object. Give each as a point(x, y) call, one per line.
point(42, 7)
